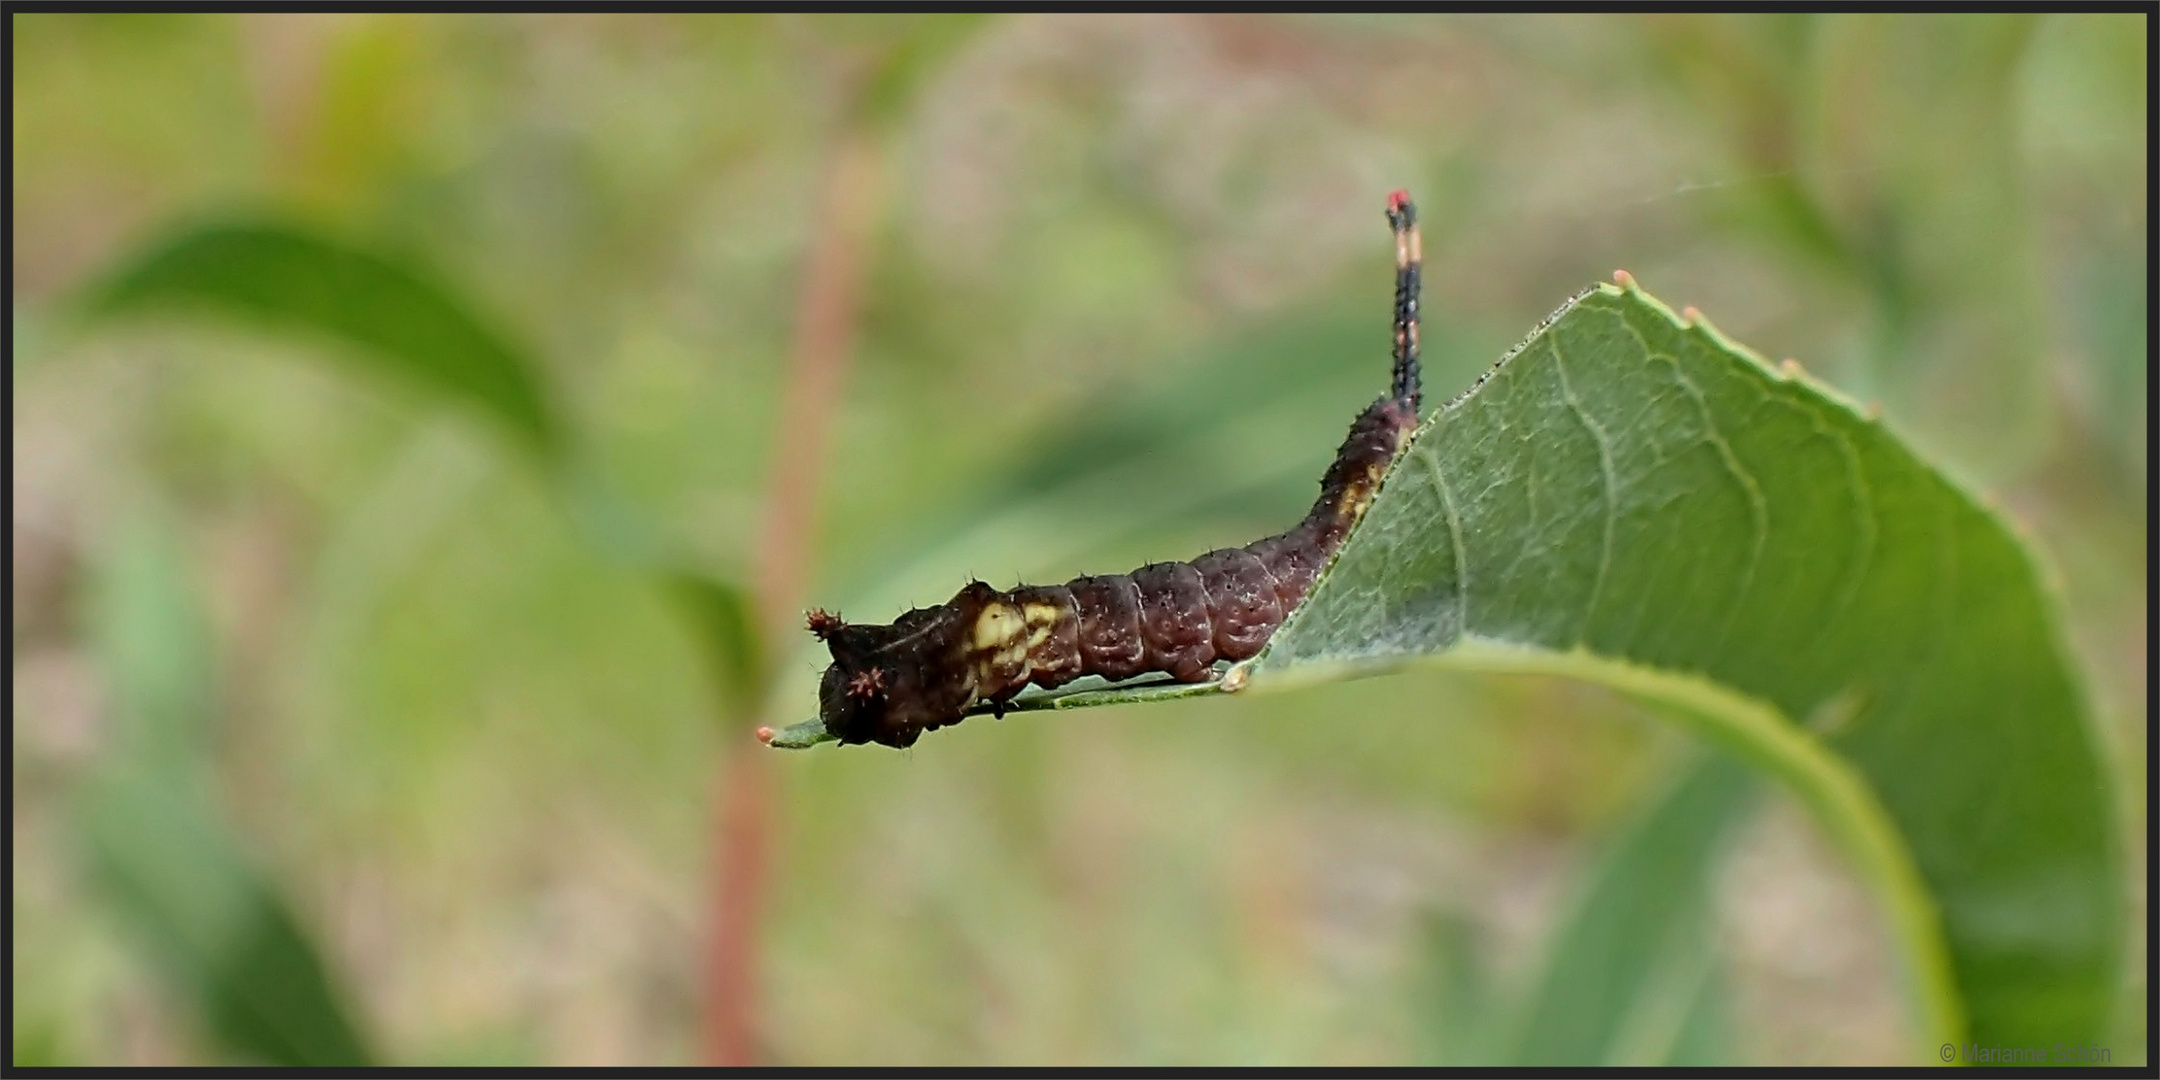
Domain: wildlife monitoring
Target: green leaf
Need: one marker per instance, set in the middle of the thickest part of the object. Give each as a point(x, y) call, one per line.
point(288, 278)
point(156, 840)
point(1957, 311)
point(152, 635)
point(1635, 500)
point(1704, 1035)
point(726, 625)
point(1626, 972)
point(914, 55)
point(1631, 977)
point(216, 926)
point(1459, 998)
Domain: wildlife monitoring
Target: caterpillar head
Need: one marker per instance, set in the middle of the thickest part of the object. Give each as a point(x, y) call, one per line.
point(889, 684)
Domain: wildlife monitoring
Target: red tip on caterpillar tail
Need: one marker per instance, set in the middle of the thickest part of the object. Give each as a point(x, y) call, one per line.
point(765, 735)
point(1397, 199)
point(1623, 279)
point(867, 683)
point(824, 623)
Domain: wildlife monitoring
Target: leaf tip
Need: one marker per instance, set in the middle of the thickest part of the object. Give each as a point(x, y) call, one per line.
point(801, 736)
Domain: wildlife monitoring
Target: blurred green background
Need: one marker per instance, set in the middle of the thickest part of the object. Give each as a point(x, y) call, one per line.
point(1123, 281)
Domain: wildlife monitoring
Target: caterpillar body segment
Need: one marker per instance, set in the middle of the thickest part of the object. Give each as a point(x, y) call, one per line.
point(890, 683)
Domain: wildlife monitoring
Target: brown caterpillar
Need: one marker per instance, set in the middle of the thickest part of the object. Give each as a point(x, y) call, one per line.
point(928, 668)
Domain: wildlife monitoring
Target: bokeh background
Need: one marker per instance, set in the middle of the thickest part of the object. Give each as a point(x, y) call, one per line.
point(1053, 294)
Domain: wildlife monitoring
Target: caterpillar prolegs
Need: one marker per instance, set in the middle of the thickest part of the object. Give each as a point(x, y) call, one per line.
point(928, 668)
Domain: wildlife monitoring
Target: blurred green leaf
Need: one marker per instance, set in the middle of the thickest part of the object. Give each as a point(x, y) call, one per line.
point(1462, 1002)
point(1309, 374)
point(726, 623)
point(218, 928)
point(1749, 72)
point(1642, 917)
point(1916, 163)
point(154, 639)
point(914, 57)
point(1705, 1035)
point(2115, 300)
point(157, 841)
point(280, 277)
point(1886, 151)
point(37, 1045)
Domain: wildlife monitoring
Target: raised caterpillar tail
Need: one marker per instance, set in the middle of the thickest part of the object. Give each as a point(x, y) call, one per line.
point(1409, 261)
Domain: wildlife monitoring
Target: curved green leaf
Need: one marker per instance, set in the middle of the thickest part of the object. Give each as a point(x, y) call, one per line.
point(1631, 498)
point(217, 926)
point(406, 325)
point(1608, 993)
point(725, 620)
point(287, 277)
point(1631, 493)
point(164, 853)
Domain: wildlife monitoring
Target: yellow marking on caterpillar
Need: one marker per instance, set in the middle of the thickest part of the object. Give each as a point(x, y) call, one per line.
point(1041, 619)
point(1357, 498)
point(996, 627)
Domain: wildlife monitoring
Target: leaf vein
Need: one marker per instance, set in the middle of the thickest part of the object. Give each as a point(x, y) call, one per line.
point(1758, 508)
point(1863, 496)
point(1612, 495)
point(1455, 538)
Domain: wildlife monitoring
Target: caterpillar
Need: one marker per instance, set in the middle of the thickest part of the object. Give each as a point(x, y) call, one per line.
point(928, 668)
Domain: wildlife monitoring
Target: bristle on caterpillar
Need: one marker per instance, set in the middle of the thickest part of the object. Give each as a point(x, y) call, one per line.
point(823, 623)
point(867, 683)
point(889, 684)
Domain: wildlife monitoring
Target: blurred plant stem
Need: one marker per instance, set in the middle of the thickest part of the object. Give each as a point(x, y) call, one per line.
point(825, 321)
